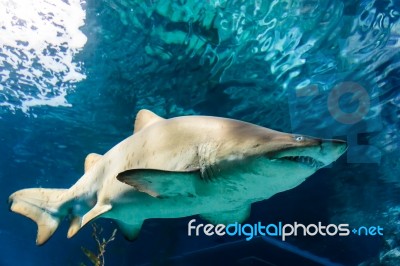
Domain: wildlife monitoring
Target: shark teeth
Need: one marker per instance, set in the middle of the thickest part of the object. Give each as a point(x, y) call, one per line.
point(309, 161)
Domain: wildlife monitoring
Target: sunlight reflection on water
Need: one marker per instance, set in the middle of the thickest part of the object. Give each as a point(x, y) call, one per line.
point(38, 41)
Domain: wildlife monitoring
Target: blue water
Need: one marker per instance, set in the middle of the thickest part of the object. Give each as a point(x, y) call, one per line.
point(73, 76)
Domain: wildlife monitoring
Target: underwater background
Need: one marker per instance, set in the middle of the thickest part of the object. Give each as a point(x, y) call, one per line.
point(73, 75)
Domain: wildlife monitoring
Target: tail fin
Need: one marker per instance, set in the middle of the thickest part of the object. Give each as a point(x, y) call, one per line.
point(42, 206)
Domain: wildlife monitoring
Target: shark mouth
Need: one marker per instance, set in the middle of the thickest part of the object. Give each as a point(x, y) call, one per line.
point(305, 160)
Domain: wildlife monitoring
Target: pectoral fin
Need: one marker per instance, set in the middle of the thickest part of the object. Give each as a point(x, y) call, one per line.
point(238, 215)
point(159, 183)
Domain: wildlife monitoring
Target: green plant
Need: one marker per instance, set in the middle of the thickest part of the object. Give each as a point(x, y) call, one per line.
point(98, 260)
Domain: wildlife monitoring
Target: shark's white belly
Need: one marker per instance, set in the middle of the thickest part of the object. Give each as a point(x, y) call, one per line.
point(221, 195)
point(141, 206)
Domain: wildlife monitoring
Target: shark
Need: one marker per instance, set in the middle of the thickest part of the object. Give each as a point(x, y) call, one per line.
point(169, 168)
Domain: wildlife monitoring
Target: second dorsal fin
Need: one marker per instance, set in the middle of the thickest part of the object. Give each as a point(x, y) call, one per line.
point(91, 160)
point(145, 118)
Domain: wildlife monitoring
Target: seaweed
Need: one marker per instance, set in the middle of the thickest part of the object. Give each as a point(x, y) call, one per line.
point(98, 260)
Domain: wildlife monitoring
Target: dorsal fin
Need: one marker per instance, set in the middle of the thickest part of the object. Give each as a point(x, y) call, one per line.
point(91, 160)
point(145, 118)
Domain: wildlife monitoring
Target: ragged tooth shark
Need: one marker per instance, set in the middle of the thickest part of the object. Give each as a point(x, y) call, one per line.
point(183, 166)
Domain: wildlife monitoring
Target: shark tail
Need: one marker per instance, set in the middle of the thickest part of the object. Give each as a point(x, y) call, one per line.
point(43, 206)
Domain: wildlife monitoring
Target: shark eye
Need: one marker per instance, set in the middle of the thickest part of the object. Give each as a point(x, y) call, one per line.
point(299, 138)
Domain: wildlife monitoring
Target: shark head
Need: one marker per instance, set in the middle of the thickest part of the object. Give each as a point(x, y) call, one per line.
point(280, 160)
point(299, 157)
point(248, 141)
point(306, 152)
